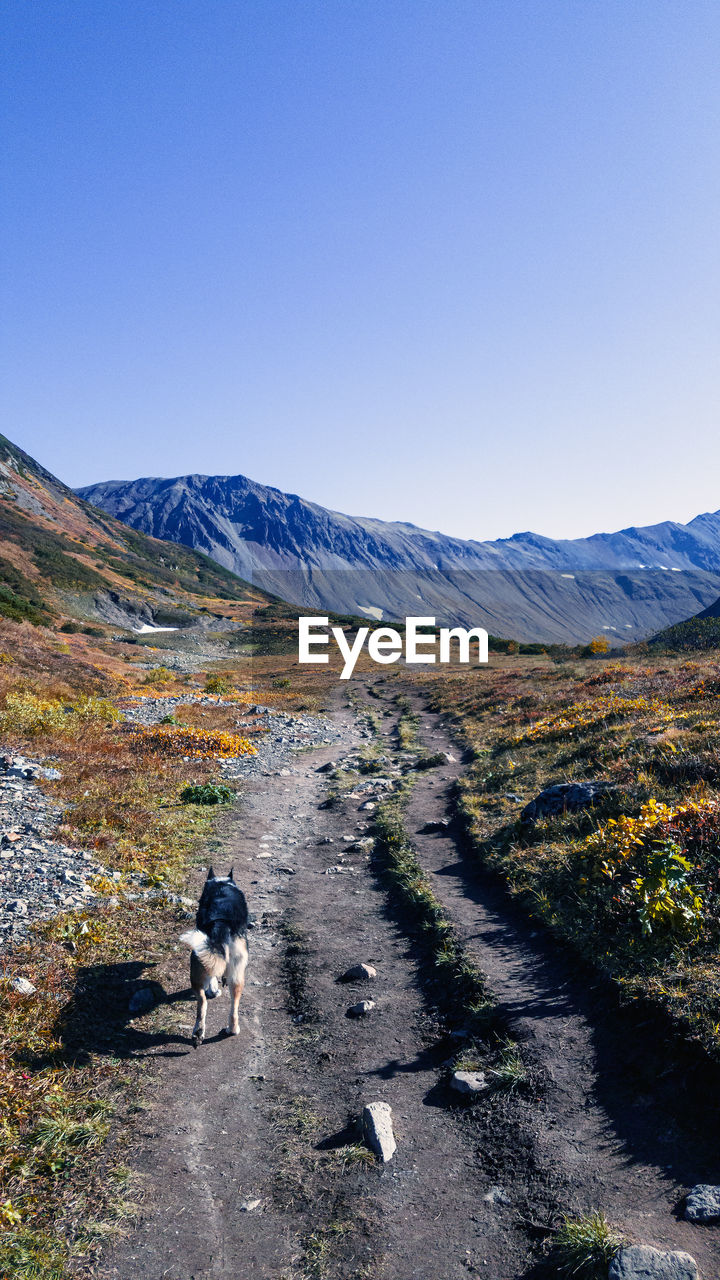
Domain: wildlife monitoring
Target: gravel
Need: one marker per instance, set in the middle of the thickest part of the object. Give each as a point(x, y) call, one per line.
point(281, 733)
point(38, 876)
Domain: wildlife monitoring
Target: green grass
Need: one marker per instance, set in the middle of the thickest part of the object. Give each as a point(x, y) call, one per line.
point(585, 1246)
point(207, 793)
point(461, 986)
point(32, 1255)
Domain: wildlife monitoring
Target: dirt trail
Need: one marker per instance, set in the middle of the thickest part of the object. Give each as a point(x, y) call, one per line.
point(618, 1124)
point(265, 1118)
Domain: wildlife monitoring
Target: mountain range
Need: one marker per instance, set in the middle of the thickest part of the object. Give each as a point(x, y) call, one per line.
point(626, 585)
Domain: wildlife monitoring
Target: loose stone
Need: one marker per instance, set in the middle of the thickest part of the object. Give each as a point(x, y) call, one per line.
point(23, 986)
point(469, 1083)
point(378, 1131)
point(703, 1203)
point(359, 973)
point(360, 1009)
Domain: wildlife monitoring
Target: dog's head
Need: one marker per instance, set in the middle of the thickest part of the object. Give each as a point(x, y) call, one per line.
point(211, 875)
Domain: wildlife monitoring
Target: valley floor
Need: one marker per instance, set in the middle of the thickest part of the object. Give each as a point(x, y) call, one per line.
point(249, 1161)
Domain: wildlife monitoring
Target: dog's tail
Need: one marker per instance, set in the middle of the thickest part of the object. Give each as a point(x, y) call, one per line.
point(211, 952)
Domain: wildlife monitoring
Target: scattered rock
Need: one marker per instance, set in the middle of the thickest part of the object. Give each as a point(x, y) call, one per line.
point(703, 1203)
point(469, 1083)
point(640, 1262)
point(23, 986)
point(378, 1131)
point(288, 871)
point(247, 1206)
point(564, 797)
point(141, 1001)
point(359, 973)
point(368, 805)
point(497, 1195)
point(326, 840)
point(360, 1009)
point(327, 768)
point(18, 906)
point(441, 827)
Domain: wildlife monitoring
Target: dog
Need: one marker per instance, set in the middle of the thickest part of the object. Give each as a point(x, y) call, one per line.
point(219, 948)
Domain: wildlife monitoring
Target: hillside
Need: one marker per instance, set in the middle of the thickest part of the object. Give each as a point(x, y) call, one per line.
point(627, 584)
point(702, 631)
point(62, 560)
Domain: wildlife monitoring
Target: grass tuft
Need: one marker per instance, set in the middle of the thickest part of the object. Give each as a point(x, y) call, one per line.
point(585, 1246)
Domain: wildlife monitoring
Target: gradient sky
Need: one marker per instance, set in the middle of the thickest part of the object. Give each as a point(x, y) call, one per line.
point(454, 262)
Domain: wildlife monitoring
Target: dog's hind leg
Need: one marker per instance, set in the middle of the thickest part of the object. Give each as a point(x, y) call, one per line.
point(236, 982)
point(198, 978)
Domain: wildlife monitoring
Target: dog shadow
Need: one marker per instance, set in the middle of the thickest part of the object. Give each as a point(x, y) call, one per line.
point(97, 1020)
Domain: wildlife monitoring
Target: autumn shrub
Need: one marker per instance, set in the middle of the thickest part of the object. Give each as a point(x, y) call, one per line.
point(158, 676)
point(217, 684)
point(31, 715)
point(188, 741)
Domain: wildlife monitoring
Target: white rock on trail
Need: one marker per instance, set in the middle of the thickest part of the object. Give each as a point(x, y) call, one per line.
point(703, 1203)
point(469, 1083)
point(640, 1262)
point(359, 973)
point(378, 1130)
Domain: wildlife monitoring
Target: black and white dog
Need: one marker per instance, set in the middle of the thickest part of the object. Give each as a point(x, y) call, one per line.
point(219, 948)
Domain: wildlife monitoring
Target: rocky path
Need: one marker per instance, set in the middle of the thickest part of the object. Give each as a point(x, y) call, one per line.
point(251, 1165)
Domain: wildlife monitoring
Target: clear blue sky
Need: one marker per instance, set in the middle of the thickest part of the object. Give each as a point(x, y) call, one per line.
point(454, 262)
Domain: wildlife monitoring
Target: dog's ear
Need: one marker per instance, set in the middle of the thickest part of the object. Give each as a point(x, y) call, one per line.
point(210, 874)
point(230, 875)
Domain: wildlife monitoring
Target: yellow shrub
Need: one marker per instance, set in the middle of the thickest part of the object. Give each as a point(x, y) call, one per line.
point(26, 713)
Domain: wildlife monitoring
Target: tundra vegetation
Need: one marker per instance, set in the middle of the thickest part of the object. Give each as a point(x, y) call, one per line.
point(631, 882)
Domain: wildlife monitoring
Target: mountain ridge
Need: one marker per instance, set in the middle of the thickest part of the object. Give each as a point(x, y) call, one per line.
point(62, 558)
point(628, 584)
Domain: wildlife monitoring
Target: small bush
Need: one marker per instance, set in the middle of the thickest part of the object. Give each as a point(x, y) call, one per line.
point(26, 713)
point(70, 628)
point(158, 675)
point(207, 793)
point(217, 684)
